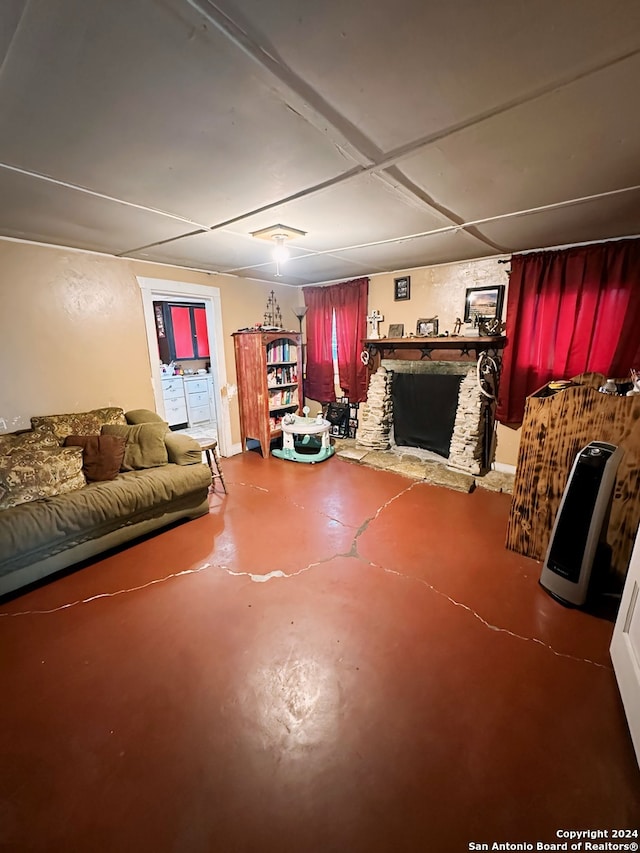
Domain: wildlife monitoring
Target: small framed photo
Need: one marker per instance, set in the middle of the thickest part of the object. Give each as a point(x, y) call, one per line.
point(427, 327)
point(396, 330)
point(402, 288)
point(485, 302)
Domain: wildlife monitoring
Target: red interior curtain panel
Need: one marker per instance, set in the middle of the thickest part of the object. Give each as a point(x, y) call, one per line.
point(569, 312)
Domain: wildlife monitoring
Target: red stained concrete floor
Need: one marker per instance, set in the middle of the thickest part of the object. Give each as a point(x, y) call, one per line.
point(335, 659)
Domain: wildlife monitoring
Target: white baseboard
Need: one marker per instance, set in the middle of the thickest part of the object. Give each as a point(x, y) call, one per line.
point(504, 467)
point(236, 448)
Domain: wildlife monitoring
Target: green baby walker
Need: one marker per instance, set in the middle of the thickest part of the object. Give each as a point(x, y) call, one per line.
point(305, 439)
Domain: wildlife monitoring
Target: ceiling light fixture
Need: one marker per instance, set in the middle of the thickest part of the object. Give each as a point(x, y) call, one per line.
point(279, 234)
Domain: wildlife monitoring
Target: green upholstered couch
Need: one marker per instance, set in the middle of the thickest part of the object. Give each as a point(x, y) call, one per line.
point(52, 517)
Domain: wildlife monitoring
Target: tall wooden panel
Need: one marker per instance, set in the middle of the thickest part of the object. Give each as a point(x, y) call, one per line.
point(269, 372)
point(554, 430)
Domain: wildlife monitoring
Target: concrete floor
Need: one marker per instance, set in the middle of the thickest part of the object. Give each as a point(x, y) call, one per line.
point(335, 659)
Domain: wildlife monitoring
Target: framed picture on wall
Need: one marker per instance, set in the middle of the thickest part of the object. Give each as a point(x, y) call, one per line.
point(484, 302)
point(402, 288)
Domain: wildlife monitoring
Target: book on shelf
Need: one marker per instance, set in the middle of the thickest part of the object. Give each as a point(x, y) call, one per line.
point(284, 397)
point(281, 351)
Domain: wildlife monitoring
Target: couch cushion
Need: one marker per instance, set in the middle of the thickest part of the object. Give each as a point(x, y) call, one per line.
point(12, 441)
point(33, 531)
point(145, 444)
point(33, 473)
point(144, 416)
point(102, 455)
point(182, 449)
point(78, 423)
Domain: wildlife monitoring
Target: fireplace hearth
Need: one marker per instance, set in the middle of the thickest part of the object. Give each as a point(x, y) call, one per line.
point(437, 406)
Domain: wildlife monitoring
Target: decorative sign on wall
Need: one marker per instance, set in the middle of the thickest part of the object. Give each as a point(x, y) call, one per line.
point(402, 288)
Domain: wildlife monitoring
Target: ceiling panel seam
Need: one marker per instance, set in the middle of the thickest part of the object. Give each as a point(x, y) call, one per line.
point(309, 103)
point(381, 165)
point(446, 229)
point(14, 35)
point(255, 46)
point(403, 152)
point(336, 252)
point(340, 130)
point(413, 147)
point(394, 177)
point(97, 194)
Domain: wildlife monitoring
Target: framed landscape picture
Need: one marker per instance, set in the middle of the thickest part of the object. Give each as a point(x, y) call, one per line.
point(483, 302)
point(402, 288)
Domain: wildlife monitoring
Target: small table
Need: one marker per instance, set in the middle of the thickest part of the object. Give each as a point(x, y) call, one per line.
point(313, 432)
point(210, 450)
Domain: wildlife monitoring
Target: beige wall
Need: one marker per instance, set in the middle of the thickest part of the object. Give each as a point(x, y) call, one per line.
point(72, 334)
point(435, 291)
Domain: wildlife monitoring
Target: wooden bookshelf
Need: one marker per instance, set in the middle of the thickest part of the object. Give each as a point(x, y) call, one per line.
point(269, 371)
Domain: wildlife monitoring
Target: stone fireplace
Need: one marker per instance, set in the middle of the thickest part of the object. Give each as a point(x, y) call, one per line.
point(433, 405)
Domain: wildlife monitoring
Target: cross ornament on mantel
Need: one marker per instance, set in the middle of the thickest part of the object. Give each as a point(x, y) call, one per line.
point(374, 319)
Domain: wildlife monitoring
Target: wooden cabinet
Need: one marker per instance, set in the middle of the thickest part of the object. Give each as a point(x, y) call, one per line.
point(175, 409)
point(269, 371)
point(555, 428)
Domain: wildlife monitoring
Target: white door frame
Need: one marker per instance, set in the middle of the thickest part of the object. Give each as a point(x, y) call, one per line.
point(165, 289)
point(625, 647)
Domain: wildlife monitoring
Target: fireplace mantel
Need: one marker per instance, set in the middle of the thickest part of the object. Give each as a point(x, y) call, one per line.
point(451, 348)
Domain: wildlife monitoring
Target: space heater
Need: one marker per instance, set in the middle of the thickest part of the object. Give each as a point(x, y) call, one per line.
point(568, 566)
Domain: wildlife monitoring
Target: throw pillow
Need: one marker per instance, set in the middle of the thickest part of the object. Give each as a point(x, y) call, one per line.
point(35, 473)
point(78, 423)
point(15, 441)
point(144, 416)
point(102, 455)
point(182, 449)
point(145, 446)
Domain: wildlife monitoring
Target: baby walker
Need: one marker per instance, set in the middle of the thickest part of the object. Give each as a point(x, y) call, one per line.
point(305, 439)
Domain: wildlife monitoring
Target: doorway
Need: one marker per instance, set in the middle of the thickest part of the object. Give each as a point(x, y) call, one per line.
point(163, 290)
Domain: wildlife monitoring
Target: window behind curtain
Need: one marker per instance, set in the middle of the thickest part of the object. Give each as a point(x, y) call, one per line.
point(336, 325)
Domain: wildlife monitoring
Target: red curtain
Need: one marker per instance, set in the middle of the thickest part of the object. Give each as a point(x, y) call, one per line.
point(569, 312)
point(349, 301)
point(319, 379)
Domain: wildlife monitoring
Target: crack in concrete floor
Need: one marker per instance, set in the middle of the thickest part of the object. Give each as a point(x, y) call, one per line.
point(293, 503)
point(279, 574)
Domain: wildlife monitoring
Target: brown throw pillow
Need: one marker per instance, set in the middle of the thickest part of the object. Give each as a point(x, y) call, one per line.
point(102, 455)
point(145, 446)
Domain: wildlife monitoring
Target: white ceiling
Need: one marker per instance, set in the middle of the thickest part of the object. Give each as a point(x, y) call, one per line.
point(396, 134)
